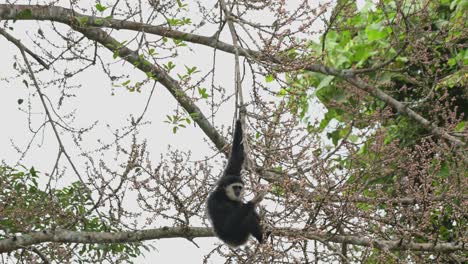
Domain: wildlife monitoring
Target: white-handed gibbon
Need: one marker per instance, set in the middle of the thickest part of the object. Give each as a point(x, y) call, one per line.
point(232, 219)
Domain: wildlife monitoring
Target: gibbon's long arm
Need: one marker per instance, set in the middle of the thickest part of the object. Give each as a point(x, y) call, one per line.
point(236, 158)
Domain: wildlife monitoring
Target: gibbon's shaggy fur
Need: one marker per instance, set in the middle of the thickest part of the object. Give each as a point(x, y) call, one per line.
point(232, 219)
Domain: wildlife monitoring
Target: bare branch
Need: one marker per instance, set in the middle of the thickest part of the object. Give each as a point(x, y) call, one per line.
point(40, 254)
point(66, 236)
point(46, 109)
point(19, 44)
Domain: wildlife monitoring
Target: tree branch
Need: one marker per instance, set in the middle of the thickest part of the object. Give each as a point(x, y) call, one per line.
point(397, 244)
point(350, 77)
point(67, 16)
point(41, 96)
point(21, 46)
point(66, 236)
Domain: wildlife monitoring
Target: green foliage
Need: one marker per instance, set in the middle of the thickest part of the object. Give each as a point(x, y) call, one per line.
point(178, 121)
point(374, 35)
point(189, 72)
point(203, 93)
point(416, 54)
point(169, 66)
point(181, 5)
point(82, 21)
point(269, 78)
point(179, 22)
point(26, 208)
point(100, 7)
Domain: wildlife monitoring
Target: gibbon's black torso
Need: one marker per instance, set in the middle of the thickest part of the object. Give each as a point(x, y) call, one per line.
point(233, 221)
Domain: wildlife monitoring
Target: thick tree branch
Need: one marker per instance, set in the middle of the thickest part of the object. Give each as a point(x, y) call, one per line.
point(161, 76)
point(66, 16)
point(374, 243)
point(404, 201)
point(350, 77)
point(402, 108)
point(66, 236)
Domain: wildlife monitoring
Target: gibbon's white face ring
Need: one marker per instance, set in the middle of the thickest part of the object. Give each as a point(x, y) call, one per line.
point(235, 191)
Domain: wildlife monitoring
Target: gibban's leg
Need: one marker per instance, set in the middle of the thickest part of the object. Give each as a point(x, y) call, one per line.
point(255, 227)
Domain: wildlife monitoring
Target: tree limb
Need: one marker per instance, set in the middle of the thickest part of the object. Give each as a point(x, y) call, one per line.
point(161, 76)
point(21, 46)
point(67, 16)
point(67, 236)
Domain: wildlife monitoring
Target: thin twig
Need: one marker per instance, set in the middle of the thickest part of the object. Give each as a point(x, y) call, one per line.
point(19, 44)
point(49, 116)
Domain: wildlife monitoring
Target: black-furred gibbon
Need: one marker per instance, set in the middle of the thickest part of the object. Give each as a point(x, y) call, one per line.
point(232, 219)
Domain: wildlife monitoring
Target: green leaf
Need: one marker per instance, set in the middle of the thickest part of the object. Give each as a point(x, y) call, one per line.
point(83, 20)
point(100, 7)
point(202, 92)
point(364, 206)
point(33, 172)
point(376, 32)
point(169, 66)
point(353, 138)
point(116, 54)
point(194, 115)
point(191, 70)
point(325, 81)
point(282, 92)
point(452, 62)
point(460, 127)
point(269, 78)
point(278, 190)
point(444, 171)
point(257, 135)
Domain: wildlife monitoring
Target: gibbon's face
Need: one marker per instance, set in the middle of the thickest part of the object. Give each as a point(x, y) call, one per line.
point(235, 191)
